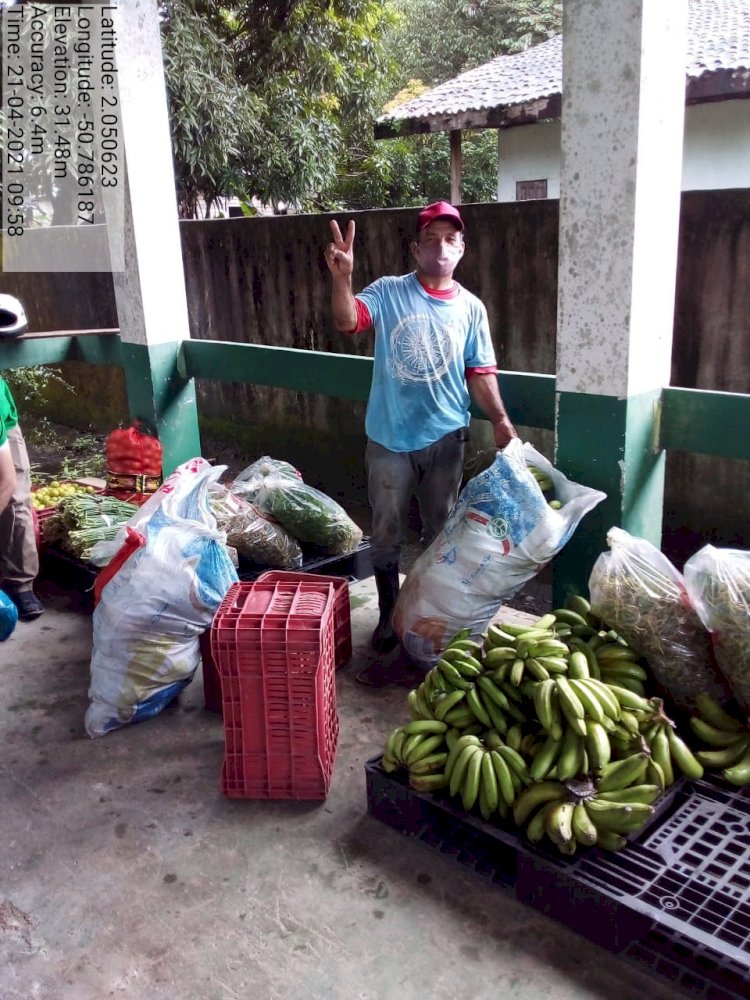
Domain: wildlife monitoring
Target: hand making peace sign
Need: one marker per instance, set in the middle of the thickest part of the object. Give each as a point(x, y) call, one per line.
point(339, 254)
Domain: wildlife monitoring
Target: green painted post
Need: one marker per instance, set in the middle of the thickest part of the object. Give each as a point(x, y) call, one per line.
point(163, 399)
point(606, 443)
point(622, 124)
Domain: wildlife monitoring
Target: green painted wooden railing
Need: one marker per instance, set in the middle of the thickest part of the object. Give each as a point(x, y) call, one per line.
point(692, 420)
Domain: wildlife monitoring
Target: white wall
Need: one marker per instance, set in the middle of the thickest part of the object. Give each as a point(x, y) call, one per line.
point(716, 152)
point(717, 146)
point(528, 153)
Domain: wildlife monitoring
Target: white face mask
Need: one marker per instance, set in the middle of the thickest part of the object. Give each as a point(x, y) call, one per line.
point(438, 258)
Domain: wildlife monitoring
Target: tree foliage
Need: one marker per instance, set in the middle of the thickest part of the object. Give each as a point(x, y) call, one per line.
point(292, 78)
point(214, 118)
point(277, 98)
point(435, 40)
point(429, 42)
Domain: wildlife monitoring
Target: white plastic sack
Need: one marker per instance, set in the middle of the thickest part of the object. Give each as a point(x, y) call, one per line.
point(179, 487)
point(500, 534)
point(152, 611)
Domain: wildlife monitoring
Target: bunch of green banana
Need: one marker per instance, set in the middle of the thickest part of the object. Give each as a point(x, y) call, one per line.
point(584, 813)
point(668, 749)
point(551, 720)
point(619, 666)
point(608, 656)
point(727, 736)
point(485, 773)
point(420, 747)
point(514, 653)
point(543, 480)
point(479, 702)
point(574, 702)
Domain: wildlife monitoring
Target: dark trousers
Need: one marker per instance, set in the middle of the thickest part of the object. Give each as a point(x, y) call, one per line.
point(432, 474)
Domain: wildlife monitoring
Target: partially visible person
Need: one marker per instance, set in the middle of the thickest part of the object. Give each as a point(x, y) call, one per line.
point(19, 559)
point(433, 357)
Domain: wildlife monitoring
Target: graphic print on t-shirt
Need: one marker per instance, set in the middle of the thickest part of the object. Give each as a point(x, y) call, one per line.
point(421, 351)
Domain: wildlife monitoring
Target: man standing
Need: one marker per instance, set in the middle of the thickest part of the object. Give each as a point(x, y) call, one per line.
point(433, 355)
point(19, 559)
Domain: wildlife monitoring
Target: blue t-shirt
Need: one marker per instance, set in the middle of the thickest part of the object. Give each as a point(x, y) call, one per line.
point(423, 345)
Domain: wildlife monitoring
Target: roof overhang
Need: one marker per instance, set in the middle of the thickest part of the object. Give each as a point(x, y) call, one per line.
point(528, 113)
point(720, 85)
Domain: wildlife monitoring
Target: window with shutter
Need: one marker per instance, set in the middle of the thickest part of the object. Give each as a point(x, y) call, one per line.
point(529, 190)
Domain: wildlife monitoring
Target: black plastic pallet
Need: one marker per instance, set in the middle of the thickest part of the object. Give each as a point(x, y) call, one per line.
point(678, 898)
point(75, 576)
point(356, 565)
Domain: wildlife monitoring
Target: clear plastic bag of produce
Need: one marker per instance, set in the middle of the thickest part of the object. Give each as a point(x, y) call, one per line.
point(636, 591)
point(252, 533)
point(152, 611)
point(500, 534)
point(249, 482)
point(309, 515)
point(718, 582)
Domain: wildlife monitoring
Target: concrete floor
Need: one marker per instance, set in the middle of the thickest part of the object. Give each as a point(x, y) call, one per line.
point(125, 872)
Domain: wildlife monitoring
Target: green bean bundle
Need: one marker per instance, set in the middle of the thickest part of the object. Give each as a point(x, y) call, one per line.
point(82, 520)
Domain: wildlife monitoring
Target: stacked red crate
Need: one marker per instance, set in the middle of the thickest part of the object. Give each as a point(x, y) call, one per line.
point(342, 615)
point(273, 645)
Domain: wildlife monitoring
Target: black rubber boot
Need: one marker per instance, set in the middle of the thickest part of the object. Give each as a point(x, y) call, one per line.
point(387, 582)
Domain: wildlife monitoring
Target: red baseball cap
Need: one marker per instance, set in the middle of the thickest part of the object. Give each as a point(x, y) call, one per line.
point(439, 210)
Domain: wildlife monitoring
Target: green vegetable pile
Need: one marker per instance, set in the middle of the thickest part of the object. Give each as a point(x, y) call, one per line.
point(81, 520)
point(309, 515)
point(253, 534)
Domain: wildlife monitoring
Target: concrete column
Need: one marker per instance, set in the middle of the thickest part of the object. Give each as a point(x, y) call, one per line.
point(150, 289)
point(622, 126)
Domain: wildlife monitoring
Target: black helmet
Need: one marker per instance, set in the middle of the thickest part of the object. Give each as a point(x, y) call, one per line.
point(12, 316)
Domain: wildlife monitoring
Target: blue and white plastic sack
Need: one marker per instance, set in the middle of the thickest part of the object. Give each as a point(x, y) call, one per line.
point(500, 533)
point(153, 610)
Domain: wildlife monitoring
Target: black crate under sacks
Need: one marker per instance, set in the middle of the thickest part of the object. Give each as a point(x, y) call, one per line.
point(273, 645)
point(676, 900)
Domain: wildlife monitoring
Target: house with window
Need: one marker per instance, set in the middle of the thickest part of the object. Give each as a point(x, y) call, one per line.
point(520, 95)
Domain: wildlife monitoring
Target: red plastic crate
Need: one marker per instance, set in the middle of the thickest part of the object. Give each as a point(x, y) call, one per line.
point(273, 645)
point(342, 615)
point(342, 631)
point(211, 679)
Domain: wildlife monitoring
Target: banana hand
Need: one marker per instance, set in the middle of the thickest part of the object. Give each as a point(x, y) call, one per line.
point(536, 795)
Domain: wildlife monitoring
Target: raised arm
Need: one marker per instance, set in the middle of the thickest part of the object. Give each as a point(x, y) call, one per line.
point(340, 260)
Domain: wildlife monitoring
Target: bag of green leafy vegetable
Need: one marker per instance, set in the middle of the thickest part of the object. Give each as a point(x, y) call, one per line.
point(251, 532)
point(637, 591)
point(718, 581)
point(309, 515)
point(250, 481)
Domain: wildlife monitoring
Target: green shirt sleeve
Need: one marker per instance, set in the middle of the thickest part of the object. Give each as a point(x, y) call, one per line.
point(8, 413)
